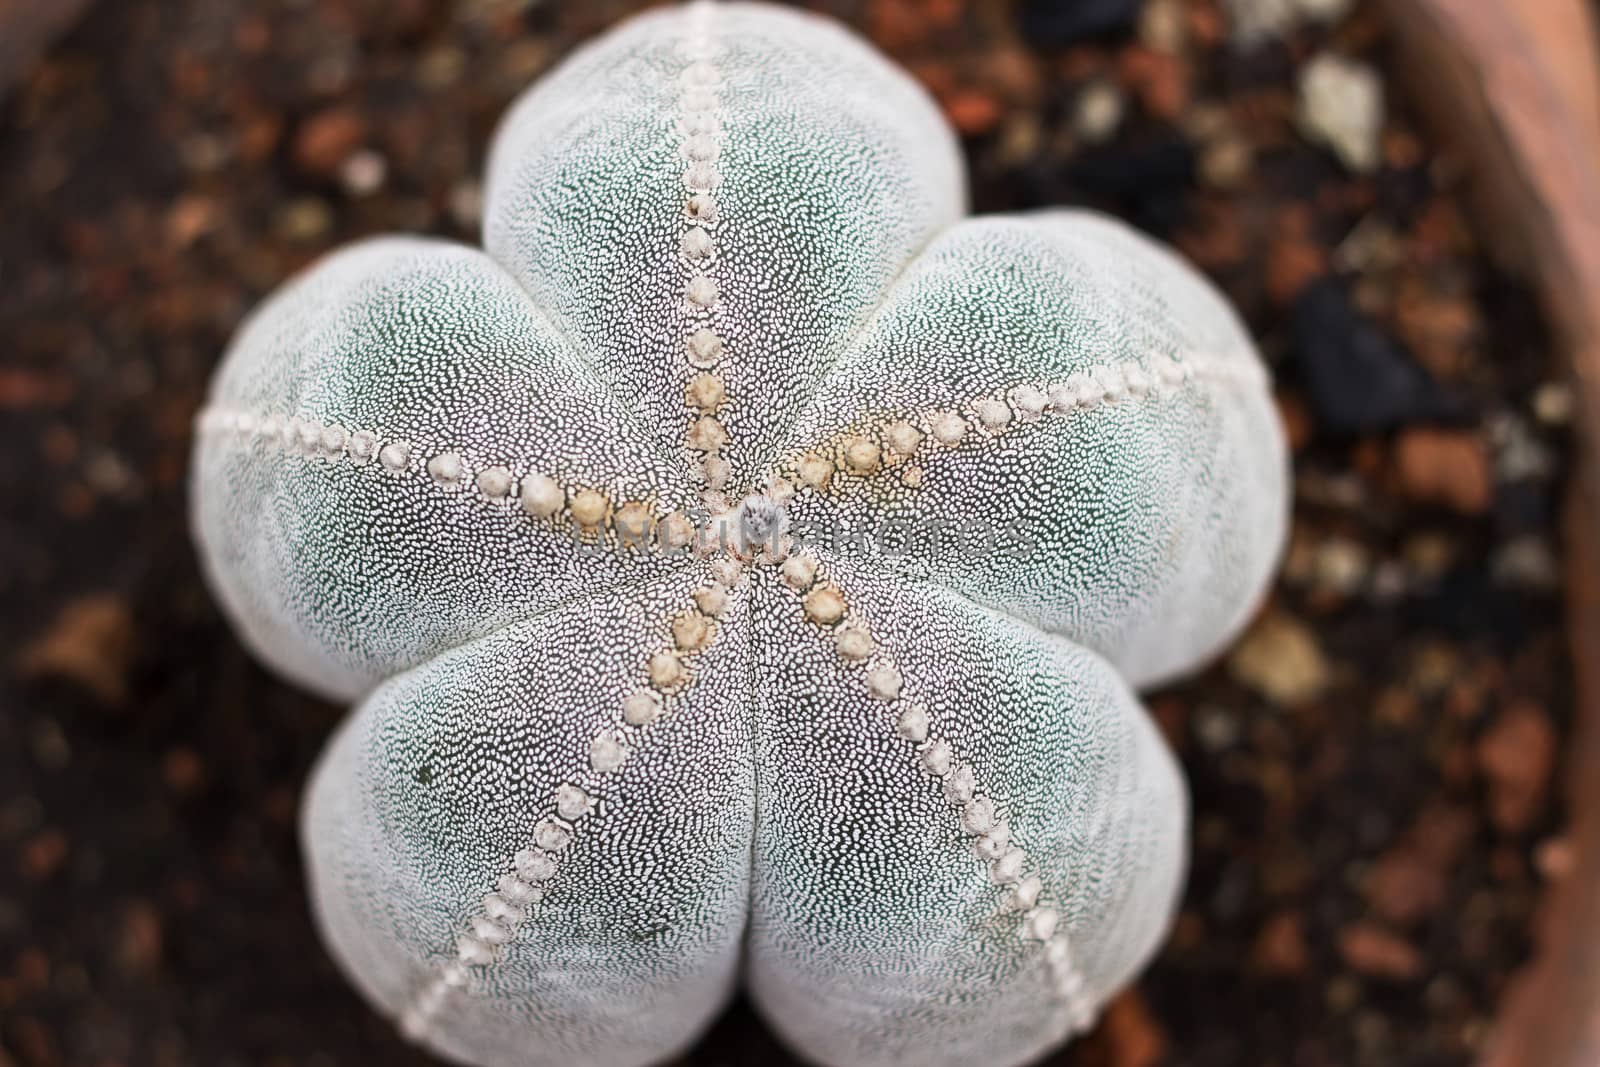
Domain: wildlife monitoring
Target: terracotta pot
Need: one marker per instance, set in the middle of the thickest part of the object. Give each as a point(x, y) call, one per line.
point(1514, 85)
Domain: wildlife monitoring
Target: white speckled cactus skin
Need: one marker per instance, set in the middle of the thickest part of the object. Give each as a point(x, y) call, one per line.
point(605, 764)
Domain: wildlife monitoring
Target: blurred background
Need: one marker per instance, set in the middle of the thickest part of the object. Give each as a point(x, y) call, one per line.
point(1374, 768)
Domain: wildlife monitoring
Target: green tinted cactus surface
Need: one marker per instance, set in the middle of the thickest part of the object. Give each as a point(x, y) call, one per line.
point(740, 567)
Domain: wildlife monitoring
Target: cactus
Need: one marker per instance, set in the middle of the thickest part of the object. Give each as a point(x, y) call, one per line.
point(740, 568)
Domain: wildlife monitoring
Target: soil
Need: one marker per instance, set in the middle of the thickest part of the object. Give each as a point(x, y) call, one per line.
point(1371, 768)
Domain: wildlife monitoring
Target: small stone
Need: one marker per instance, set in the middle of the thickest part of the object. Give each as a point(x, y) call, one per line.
point(1053, 23)
point(1369, 949)
point(363, 173)
point(325, 140)
point(1162, 25)
point(1280, 947)
point(1517, 756)
point(1448, 467)
point(1098, 111)
point(1357, 378)
point(1279, 657)
point(1341, 106)
point(1226, 162)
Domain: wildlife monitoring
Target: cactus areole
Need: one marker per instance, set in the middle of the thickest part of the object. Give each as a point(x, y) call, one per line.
point(740, 567)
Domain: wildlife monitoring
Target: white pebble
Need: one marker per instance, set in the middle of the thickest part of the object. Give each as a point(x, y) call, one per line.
point(1341, 106)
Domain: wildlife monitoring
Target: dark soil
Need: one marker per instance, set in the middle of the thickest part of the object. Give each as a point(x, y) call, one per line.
point(1372, 768)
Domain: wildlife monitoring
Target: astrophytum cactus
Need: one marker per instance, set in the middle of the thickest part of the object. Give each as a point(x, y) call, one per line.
point(740, 567)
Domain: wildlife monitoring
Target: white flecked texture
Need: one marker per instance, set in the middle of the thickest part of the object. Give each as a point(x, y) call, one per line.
point(905, 789)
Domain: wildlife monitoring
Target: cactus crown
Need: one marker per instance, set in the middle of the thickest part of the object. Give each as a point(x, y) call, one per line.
point(741, 566)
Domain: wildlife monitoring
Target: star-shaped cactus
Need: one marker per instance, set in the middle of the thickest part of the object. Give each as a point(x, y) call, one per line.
point(741, 567)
